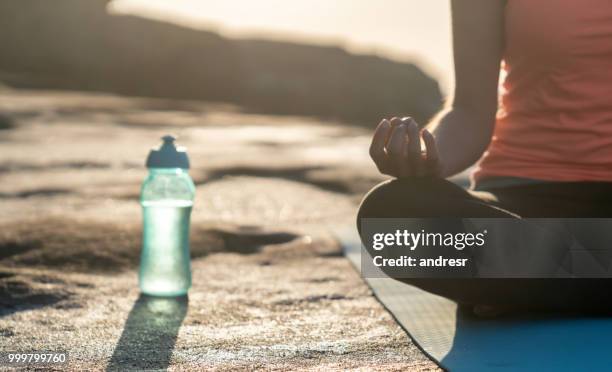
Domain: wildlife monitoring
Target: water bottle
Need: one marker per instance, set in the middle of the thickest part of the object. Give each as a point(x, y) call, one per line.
point(166, 198)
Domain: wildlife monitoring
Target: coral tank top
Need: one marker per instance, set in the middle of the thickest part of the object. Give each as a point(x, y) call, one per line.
point(555, 115)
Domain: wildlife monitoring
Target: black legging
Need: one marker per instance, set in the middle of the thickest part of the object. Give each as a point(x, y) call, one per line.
point(413, 198)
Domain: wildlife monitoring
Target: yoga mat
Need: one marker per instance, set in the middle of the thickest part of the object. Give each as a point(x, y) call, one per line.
point(462, 343)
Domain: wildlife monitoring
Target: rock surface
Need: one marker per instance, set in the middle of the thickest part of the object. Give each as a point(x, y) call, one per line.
point(271, 287)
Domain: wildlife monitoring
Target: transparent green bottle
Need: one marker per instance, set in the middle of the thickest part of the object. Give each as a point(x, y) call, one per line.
point(167, 198)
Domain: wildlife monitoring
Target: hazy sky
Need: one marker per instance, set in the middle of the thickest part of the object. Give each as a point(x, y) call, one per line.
point(413, 30)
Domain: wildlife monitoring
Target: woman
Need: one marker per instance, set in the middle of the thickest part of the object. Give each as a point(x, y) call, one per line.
point(546, 152)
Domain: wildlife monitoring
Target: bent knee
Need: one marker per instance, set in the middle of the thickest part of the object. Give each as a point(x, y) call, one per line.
point(417, 197)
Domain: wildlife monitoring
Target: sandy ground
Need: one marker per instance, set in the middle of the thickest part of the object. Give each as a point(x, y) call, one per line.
point(271, 288)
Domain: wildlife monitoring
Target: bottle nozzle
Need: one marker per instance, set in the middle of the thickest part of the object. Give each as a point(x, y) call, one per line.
point(168, 155)
point(168, 139)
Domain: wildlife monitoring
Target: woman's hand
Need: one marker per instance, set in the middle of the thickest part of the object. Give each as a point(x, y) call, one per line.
point(396, 150)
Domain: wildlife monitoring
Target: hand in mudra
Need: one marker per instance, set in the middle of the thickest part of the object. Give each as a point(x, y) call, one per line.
point(396, 150)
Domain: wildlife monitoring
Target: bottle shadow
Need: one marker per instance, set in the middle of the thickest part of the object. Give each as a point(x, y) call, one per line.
point(149, 334)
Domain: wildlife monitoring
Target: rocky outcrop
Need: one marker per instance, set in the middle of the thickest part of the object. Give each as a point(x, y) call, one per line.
point(77, 45)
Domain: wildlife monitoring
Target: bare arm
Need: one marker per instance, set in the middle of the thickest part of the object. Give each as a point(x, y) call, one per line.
point(464, 130)
point(461, 133)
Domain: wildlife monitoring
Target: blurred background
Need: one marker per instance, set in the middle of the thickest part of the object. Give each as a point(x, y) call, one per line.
point(276, 102)
point(272, 57)
point(408, 31)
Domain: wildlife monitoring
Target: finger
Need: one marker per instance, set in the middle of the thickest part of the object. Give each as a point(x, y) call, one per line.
point(414, 137)
point(377, 147)
point(432, 156)
point(396, 122)
point(382, 133)
point(414, 147)
point(396, 150)
point(395, 145)
point(431, 147)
